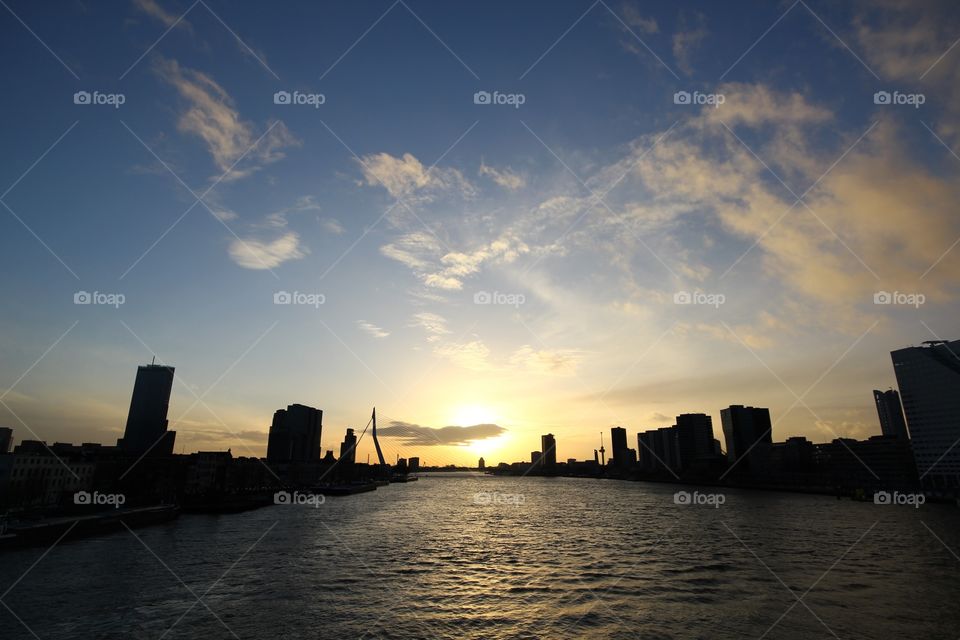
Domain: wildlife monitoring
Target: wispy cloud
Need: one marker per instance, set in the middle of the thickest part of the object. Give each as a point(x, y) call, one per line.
point(423, 254)
point(687, 39)
point(546, 361)
point(914, 43)
point(506, 177)
point(253, 253)
point(372, 329)
point(211, 115)
point(332, 226)
point(433, 324)
point(473, 354)
point(153, 9)
point(633, 17)
point(406, 176)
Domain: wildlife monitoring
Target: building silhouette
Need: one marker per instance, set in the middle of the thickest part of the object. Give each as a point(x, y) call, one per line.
point(890, 413)
point(481, 465)
point(413, 464)
point(694, 438)
point(548, 445)
point(749, 435)
point(623, 456)
point(348, 448)
point(6, 439)
point(295, 434)
point(929, 381)
point(659, 450)
point(146, 429)
point(877, 463)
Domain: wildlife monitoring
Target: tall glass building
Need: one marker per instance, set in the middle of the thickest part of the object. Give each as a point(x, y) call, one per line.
point(929, 381)
point(146, 429)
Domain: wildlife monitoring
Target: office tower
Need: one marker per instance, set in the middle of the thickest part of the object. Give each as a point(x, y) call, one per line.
point(667, 448)
point(481, 465)
point(6, 439)
point(647, 451)
point(535, 458)
point(413, 464)
point(694, 437)
point(658, 450)
point(348, 448)
point(749, 436)
point(548, 445)
point(890, 413)
point(618, 442)
point(146, 430)
point(295, 434)
point(929, 381)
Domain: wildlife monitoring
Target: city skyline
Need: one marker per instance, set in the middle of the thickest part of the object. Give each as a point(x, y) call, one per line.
point(296, 432)
point(430, 244)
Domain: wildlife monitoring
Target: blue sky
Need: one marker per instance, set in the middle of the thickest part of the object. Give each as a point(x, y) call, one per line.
point(590, 210)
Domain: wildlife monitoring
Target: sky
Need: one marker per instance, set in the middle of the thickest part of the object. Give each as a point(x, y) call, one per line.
point(491, 220)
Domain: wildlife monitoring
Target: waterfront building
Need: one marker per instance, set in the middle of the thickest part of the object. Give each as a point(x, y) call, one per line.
point(929, 380)
point(146, 428)
point(295, 434)
point(890, 413)
point(548, 445)
point(748, 434)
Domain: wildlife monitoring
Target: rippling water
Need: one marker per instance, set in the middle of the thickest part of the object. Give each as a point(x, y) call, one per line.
point(484, 557)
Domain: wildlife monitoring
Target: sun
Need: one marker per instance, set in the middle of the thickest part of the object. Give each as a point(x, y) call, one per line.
point(473, 414)
point(468, 415)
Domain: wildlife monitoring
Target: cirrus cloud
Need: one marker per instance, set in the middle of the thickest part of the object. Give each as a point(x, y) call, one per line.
point(252, 253)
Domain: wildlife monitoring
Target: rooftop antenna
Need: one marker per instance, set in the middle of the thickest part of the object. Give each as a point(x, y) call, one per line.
point(153, 361)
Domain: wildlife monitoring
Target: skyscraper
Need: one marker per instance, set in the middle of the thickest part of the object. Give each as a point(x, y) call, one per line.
point(694, 437)
point(749, 436)
point(658, 450)
point(929, 381)
point(623, 456)
point(348, 448)
point(548, 445)
point(890, 413)
point(295, 434)
point(146, 430)
point(6, 439)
